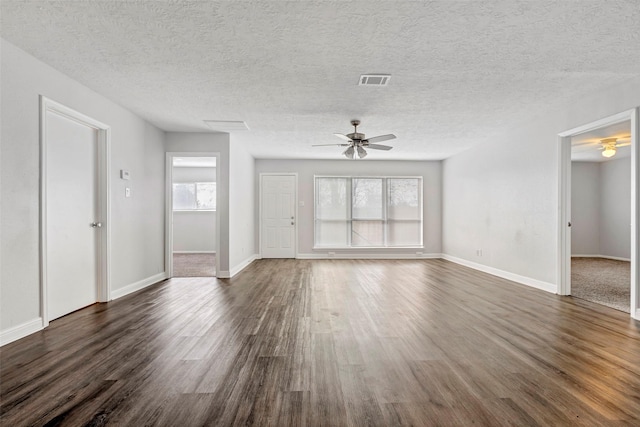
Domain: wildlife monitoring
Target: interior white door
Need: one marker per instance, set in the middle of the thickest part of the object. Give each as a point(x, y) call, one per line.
point(71, 215)
point(278, 222)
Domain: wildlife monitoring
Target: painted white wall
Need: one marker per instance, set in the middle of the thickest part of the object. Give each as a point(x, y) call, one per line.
point(615, 208)
point(137, 223)
point(502, 195)
point(194, 231)
point(216, 143)
point(585, 208)
point(242, 248)
point(306, 169)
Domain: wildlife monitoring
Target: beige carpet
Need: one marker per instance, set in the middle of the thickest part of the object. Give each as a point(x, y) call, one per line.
point(603, 281)
point(194, 265)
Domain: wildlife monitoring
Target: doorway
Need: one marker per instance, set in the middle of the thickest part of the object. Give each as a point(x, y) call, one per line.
point(601, 215)
point(598, 212)
point(74, 215)
point(278, 215)
point(192, 217)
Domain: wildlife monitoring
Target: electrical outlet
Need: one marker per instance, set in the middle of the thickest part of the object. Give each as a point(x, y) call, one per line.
point(332, 254)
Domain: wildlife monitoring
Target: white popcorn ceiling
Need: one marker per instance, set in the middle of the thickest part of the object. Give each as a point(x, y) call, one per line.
point(461, 70)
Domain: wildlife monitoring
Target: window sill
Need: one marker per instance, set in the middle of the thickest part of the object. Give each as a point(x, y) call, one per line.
point(351, 248)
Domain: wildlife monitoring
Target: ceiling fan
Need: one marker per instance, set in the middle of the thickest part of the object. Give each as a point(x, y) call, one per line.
point(356, 142)
point(608, 146)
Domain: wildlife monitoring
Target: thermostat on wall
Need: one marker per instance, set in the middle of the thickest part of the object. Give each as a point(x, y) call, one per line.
point(124, 174)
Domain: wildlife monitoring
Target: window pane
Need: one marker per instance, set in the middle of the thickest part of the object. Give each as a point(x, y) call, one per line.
point(331, 233)
point(404, 198)
point(367, 198)
point(206, 195)
point(184, 196)
point(367, 233)
point(331, 194)
point(403, 233)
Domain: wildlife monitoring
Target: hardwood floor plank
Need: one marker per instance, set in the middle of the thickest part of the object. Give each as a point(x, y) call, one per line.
point(330, 343)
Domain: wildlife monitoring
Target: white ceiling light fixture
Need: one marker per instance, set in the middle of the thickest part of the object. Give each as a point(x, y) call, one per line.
point(609, 147)
point(349, 152)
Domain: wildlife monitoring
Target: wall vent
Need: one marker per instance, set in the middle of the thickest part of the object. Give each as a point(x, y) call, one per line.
point(374, 79)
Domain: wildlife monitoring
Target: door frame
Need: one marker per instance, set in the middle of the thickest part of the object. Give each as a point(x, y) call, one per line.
point(295, 201)
point(168, 215)
point(564, 202)
point(103, 153)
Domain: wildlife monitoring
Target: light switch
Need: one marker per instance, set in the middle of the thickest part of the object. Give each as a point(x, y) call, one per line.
point(127, 192)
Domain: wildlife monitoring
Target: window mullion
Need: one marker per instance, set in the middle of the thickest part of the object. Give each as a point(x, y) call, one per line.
point(385, 211)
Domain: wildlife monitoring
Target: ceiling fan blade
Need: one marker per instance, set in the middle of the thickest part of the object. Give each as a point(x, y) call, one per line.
point(332, 145)
point(379, 147)
point(381, 138)
point(624, 144)
point(345, 137)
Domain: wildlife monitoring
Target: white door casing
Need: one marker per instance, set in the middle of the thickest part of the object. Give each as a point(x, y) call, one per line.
point(74, 232)
point(564, 203)
point(278, 194)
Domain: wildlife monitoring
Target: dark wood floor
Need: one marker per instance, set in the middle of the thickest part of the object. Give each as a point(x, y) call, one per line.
point(335, 342)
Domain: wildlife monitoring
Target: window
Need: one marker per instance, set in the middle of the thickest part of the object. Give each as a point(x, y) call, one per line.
point(194, 196)
point(368, 212)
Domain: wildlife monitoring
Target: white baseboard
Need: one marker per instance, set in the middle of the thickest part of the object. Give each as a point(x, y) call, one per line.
point(538, 284)
point(238, 268)
point(194, 252)
point(637, 316)
point(367, 256)
point(20, 331)
point(141, 284)
point(615, 258)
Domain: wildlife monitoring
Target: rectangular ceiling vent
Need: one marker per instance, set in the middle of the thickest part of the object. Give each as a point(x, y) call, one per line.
point(226, 126)
point(374, 79)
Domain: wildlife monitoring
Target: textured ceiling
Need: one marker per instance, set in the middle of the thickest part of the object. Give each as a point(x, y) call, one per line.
point(460, 69)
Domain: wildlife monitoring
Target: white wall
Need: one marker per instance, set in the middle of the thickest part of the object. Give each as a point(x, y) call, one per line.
point(194, 231)
point(502, 195)
point(137, 223)
point(214, 143)
point(306, 169)
point(242, 249)
point(585, 208)
point(615, 208)
point(601, 208)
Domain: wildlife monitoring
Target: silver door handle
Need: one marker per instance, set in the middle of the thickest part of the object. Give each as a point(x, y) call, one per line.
point(95, 225)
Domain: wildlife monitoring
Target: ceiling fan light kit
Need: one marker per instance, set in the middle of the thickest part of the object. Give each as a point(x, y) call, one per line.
point(357, 142)
point(609, 147)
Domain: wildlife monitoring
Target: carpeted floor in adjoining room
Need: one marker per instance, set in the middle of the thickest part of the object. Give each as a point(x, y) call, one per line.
point(603, 281)
point(194, 265)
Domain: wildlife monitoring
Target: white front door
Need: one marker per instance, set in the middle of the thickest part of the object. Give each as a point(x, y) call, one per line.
point(278, 222)
point(71, 215)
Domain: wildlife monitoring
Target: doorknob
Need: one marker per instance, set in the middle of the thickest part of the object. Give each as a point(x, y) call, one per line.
point(569, 224)
point(95, 225)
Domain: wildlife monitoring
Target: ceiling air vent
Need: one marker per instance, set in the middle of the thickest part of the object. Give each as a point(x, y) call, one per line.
point(226, 126)
point(374, 79)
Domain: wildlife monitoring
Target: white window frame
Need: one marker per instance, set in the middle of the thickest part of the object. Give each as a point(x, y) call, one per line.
point(350, 219)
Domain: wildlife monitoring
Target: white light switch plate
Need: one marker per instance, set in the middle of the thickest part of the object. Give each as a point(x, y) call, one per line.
point(127, 192)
